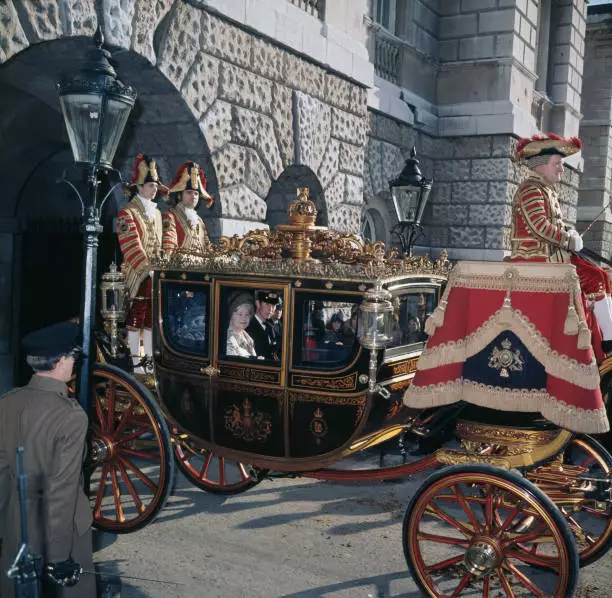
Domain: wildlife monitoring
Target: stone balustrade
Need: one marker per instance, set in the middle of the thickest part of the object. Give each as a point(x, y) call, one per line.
point(387, 54)
point(316, 8)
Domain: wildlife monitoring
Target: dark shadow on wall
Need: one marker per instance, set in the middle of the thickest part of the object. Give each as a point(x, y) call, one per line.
point(39, 217)
point(284, 191)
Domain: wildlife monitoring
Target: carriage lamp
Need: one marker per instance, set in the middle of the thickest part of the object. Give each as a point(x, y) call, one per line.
point(113, 304)
point(95, 106)
point(374, 326)
point(410, 192)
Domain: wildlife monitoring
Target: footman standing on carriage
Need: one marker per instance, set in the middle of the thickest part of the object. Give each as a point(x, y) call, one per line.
point(183, 228)
point(51, 426)
point(139, 228)
point(515, 335)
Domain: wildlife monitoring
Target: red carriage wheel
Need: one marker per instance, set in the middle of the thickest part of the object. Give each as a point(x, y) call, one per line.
point(561, 481)
point(132, 470)
point(460, 537)
point(210, 472)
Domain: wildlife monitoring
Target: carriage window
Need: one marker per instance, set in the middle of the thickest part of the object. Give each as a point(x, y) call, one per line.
point(411, 311)
point(251, 324)
point(185, 321)
point(328, 338)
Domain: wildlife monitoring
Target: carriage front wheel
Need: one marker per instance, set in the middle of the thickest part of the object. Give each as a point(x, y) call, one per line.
point(132, 469)
point(471, 530)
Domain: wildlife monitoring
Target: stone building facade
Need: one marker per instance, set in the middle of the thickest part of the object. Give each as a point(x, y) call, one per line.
point(270, 95)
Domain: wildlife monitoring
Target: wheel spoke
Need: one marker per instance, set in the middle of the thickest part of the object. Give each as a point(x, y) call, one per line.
point(110, 404)
point(464, 583)
point(140, 454)
point(466, 507)
point(509, 519)
point(101, 487)
point(505, 585)
point(204, 469)
point(117, 495)
point(485, 586)
point(134, 494)
point(524, 580)
point(244, 474)
point(532, 559)
point(222, 479)
point(450, 520)
point(99, 412)
point(444, 564)
point(124, 418)
point(141, 476)
point(530, 537)
point(442, 539)
point(489, 510)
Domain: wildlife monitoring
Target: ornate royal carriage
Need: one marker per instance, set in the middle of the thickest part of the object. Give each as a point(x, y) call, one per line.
point(521, 504)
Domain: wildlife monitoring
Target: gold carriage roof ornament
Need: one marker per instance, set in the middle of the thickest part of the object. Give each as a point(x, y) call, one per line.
point(302, 217)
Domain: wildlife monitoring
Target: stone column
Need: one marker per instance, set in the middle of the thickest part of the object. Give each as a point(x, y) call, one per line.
point(596, 133)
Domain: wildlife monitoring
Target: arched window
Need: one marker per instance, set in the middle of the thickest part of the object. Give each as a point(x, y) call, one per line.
point(373, 226)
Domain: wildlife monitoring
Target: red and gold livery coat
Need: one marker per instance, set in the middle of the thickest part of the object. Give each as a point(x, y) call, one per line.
point(180, 233)
point(140, 240)
point(538, 230)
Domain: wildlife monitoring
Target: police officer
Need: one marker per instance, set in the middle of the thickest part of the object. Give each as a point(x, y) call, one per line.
point(52, 427)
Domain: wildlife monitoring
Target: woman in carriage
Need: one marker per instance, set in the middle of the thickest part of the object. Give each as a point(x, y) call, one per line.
point(520, 335)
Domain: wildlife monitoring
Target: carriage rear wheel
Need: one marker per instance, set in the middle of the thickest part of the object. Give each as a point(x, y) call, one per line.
point(592, 528)
point(132, 470)
point(462, 536)
point(210, 472)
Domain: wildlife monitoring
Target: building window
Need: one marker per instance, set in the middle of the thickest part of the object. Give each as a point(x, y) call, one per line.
point(384, 13)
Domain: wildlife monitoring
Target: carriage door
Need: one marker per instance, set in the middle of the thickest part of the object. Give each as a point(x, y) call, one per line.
point(250, 353)
point(181, 350)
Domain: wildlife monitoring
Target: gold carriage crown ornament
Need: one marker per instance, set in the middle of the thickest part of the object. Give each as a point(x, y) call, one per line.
point(302, 217)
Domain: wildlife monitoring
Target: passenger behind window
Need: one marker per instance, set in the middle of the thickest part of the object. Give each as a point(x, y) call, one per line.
point(241, 309)
point(260, 329)
point(349, 328)
point(335, 333)
point(413, 332)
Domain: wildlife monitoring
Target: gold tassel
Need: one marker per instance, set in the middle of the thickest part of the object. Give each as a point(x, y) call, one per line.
point(505, 315)
point(584, 336)
point(572, 325)
point(436, 319)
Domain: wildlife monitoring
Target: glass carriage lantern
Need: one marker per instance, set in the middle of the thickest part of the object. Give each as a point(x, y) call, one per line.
point(95, 106)
point(113, 304)
point(410, 192)
point(374, 326)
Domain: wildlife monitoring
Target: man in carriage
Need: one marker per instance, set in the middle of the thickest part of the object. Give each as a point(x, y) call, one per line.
point(519, 335)
point(139, 228)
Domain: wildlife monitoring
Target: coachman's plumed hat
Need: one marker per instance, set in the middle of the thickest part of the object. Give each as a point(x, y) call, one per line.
point(52, 341)
point(191, 177)
point(145, 171)
point(537, 150)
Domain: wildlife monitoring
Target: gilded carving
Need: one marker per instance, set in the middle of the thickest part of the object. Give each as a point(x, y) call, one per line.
point(404, 367)
point(318, 426)
point(358, 401)
point(344, 383)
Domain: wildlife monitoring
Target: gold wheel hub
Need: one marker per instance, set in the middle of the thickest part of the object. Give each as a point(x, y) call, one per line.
point(482, 556)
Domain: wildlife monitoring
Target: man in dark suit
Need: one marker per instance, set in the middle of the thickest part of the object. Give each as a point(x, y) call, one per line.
point(51, 426)
point(260, 329)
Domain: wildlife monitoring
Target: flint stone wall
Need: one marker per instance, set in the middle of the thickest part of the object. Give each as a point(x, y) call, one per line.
point(474, 181)
point(260, 107)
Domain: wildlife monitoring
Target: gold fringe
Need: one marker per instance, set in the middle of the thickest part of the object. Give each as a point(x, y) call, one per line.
point(584, 336)
point(571, 321)
point(560, 366)
point(584, 421)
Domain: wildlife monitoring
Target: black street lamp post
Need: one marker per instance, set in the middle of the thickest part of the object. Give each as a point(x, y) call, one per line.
point(95, 106)
point(410, 192)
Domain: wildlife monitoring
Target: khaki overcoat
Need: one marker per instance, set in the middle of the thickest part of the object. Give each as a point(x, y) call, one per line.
point(52, 427)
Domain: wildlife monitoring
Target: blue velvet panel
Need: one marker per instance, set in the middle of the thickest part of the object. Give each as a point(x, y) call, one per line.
point(506, 362)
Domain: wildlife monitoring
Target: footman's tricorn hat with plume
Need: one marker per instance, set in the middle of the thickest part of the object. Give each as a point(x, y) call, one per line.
point(145, 171)
point(191, 177)
point(537, 150)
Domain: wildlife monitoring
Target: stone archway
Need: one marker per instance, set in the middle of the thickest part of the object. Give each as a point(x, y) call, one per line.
point(39, 218)
point(283, 192)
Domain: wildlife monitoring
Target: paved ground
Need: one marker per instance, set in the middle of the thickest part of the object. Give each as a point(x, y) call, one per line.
point(290, 538)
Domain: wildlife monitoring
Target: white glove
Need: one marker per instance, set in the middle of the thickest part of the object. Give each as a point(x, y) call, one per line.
point(151, 272)
point(575, 240)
